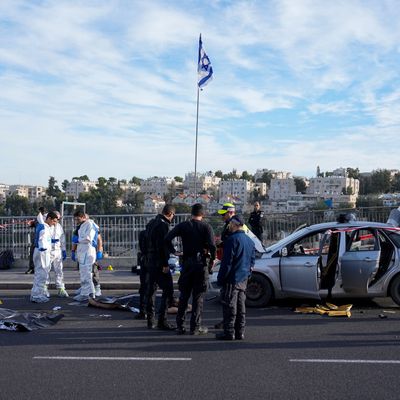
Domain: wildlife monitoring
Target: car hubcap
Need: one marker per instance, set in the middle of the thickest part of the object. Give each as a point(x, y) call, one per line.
point(254, 290)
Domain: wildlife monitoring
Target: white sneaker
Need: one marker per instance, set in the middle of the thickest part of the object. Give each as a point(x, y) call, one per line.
point(46, 292)
point(62, 293)
point(97, 291)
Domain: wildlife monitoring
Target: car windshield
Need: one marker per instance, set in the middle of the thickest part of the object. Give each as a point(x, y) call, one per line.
point(287, 239)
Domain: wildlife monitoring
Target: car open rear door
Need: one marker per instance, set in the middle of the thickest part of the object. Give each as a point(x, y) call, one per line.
point(360, 262)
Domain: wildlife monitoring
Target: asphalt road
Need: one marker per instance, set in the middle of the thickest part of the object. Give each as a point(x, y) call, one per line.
point(101, 354)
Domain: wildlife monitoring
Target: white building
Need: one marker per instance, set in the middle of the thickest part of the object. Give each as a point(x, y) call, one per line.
point(157, 186)
point(4, 189)
point(36, 193)
point(204, 182)
point(282, 187)
point(240, 188)
point(76, 187)
point(153, 204)
point(333, 186)
point(32, 193)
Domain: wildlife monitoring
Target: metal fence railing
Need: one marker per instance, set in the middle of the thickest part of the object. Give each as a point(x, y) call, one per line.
point(120, 232)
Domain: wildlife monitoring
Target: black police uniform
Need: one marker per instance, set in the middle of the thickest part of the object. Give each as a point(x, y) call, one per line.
point(198, 244)
point(157, 258)
point(143, 274)
point(255, 223)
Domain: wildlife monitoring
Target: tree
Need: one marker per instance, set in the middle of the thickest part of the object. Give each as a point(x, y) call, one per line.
point(182, 208)
point(53, 190)
point(178, 179)
point(64, 184)
point(266, 178)
point(300, 185)
point(81, 178)
point(320, 205)
point(18, 205)
point(136, 181)
point(353, 173)
point(219, 174)
point(396, 183)
point(381, 181)
point(245, 175)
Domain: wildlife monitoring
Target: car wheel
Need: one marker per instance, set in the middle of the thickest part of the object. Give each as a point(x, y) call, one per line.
point(395, 289)
point(259, 291)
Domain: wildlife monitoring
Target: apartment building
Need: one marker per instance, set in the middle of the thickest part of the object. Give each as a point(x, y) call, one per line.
point(239, 188)
point(282, 186)
point(204, 182)
point(76, 187)
point(157, 186)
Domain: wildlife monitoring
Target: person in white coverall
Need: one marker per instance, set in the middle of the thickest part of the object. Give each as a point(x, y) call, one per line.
point(86, 241)
point(57, 255)
point(42, 258)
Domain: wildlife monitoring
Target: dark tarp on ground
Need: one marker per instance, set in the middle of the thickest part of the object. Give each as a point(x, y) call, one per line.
point(123, 302)
point(26, 321)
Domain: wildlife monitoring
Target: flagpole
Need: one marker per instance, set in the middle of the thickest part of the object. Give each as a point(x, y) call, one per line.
point(195, 151)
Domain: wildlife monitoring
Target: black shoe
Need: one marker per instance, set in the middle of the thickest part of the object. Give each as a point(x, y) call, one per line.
point(220, 325)
point(165, 326)
point(180, 330)
point(151, 324)
point(239, 336)
point(202, 330)
point(141, 315)
point(223, 336)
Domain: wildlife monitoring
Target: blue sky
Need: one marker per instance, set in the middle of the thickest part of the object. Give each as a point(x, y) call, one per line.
point(108, 88)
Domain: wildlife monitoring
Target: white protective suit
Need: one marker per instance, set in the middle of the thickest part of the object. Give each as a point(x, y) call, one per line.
point(86, 256)
point(57, 247)
point(41, 260)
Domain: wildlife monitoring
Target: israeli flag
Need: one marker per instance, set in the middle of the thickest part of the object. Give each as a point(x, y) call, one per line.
point(205, 71)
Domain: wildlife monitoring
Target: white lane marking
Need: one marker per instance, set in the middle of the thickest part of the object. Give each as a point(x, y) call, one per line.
point(113, 358)
point(311, 360)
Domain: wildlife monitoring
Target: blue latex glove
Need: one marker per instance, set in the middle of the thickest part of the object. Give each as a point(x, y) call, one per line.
point(73, 256)
point(64, 254)
point(75, 239)
point(99, 255)
point(42, 249)
point(55, 240)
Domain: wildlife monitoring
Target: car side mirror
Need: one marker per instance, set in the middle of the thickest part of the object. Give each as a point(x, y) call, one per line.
point(284, 252)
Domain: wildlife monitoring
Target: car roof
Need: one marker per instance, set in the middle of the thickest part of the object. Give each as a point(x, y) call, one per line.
point(325, 226)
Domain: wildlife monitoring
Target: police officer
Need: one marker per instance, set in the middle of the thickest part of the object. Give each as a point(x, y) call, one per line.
point(255, 220)
point(142, 261)
point(198, 258)
point(158, 269)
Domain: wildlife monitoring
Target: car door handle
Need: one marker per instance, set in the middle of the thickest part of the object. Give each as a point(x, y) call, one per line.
point(368, 259)
point(308, 264)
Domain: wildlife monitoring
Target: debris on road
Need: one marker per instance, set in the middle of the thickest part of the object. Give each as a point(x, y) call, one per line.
point(56, 308)
point(331, 310)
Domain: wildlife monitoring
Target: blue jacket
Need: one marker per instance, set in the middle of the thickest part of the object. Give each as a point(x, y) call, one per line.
point(238, 259)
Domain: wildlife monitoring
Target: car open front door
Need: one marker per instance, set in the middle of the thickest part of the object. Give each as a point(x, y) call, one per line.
point(360, 262)
point(299, 267)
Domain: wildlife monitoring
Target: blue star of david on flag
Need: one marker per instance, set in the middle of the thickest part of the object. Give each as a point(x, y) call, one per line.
point(205, 70)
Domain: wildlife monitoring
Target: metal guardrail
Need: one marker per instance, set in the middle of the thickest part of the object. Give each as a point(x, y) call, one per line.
point(120, 232)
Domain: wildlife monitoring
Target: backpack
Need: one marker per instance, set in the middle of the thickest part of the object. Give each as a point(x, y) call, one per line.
point(6, 259)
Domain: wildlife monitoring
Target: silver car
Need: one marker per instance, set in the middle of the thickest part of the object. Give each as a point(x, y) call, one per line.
point(353, 259)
